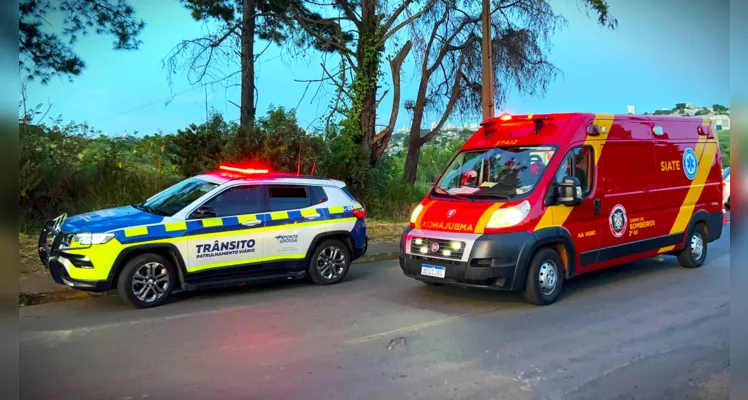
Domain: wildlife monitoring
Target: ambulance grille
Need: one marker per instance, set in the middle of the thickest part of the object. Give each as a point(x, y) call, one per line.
point(437, 248)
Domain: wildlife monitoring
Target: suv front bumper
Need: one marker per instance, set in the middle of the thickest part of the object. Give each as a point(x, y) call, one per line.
point(496, 262)
point(54, 260)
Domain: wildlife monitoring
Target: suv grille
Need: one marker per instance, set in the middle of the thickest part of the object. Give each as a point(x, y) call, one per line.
point(441, 248)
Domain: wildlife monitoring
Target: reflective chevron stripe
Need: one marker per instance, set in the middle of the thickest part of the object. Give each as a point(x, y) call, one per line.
point(274, 220)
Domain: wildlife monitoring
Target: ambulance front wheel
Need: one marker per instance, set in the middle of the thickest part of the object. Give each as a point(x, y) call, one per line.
point(329, 263)
point(545, 277)
point(147, 280)
point(693, 253)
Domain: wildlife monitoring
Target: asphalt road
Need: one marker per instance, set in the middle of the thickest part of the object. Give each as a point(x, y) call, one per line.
point(649, 330)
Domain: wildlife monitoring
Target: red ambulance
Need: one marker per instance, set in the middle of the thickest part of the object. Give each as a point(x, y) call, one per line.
point(531, 201)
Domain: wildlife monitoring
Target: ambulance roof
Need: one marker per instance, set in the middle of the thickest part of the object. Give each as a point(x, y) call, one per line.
point(561, 128)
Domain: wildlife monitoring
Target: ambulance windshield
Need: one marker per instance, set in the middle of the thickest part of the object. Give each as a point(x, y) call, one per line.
point(502, 172)
point(177, 197)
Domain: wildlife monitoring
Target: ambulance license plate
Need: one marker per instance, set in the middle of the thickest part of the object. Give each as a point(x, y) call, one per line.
point(433, 270)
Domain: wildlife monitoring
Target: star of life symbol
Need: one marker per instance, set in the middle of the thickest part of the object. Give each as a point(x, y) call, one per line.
point(690, 163)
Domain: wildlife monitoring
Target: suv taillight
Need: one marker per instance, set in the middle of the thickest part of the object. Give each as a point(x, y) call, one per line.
point(360, 213)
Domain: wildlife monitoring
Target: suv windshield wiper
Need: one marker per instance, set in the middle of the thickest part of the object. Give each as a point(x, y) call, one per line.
point(142, 206)
point(459, 196)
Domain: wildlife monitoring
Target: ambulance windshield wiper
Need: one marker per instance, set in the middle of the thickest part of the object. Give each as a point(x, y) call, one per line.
point(493, 195)
point(459, 196)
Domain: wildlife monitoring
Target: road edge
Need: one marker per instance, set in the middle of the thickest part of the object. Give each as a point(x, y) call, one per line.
point(66, 294)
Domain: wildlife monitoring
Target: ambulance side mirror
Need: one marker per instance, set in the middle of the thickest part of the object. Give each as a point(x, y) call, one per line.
point(203, 212)
point(569, 191)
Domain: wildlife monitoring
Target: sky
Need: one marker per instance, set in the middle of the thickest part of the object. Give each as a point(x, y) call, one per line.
point(662, 53)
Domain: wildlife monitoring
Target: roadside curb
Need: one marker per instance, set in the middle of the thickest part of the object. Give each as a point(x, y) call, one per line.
point(65, 294)
point(33, 299)
point(367, 258)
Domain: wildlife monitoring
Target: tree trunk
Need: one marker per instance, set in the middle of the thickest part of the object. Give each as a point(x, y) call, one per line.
point(411, 162)
point(247, 112)
point(368, 66)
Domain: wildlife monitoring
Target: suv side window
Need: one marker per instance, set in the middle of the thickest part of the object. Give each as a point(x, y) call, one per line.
point(284, 197)
point(238, 200)
point(578, 162)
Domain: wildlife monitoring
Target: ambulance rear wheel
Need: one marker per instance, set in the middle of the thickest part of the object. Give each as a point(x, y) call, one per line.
point(329, 263)
point(693, 253)
point(545, 277)
point(147, 280)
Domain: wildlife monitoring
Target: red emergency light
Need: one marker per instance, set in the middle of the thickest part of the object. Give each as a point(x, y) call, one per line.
point(246, 171)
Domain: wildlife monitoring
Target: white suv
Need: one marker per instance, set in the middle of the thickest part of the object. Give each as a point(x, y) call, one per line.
point(226, 228)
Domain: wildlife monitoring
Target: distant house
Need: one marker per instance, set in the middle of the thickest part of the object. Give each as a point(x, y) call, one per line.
point(720, 122)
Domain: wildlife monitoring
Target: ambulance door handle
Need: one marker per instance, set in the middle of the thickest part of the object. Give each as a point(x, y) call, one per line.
point(252, 222)
point(597, 206)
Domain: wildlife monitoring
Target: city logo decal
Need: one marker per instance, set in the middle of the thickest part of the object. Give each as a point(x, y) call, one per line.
point(287, 238)
point(618, 221)
point(225, 248)
point(690, 163)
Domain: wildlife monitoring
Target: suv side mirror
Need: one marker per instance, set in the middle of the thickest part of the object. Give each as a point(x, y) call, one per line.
point(569, 191)
point(203, 212)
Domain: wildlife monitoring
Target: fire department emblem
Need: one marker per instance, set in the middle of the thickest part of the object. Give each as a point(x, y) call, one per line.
point(618, 221)
point(434, 247)
point(451, 213)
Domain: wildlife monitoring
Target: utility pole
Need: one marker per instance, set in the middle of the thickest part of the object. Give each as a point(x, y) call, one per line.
point(487, 82)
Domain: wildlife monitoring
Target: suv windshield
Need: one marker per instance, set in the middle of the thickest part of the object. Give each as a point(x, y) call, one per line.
point(502, 172)
point(177, 197)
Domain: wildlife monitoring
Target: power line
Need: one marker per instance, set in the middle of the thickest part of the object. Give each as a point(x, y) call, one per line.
point(165, 100)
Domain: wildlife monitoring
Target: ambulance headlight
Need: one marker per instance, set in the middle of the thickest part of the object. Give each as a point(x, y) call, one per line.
point(416, 212)
point(86, 239)
point(509, 216)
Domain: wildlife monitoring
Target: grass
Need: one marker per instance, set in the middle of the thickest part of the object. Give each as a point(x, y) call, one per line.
point(723, 137)
point(385, 231)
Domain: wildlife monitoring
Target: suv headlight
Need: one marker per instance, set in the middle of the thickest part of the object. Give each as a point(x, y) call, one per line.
point(87, 239)
point(509, 216)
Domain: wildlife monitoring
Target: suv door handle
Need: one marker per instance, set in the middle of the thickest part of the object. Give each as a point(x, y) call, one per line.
point(312, 216)
point(252, 222)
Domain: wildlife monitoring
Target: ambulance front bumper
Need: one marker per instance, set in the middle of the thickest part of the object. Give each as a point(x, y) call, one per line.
point(496, 262)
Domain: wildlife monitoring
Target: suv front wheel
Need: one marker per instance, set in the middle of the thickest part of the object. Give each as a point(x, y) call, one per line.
point(329, 263)
point(147, 280)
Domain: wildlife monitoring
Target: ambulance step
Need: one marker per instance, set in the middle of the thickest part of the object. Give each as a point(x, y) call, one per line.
point(241, 281)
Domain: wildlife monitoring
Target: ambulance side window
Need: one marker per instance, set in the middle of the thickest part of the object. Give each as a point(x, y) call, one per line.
point(238, 200)
point(578, 163)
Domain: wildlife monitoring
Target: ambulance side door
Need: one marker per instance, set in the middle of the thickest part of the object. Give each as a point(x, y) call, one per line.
point(294, 221)
point(583, 221)
point(225, 233)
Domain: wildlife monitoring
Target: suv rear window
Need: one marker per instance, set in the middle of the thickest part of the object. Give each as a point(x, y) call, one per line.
point(288, 197)
point(347, 193)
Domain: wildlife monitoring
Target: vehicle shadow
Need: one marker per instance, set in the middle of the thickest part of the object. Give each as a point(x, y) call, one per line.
point(435, 297)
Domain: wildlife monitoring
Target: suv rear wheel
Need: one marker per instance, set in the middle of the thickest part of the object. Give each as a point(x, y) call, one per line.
point(545, 277)
point(329, 263)
point(147, 280)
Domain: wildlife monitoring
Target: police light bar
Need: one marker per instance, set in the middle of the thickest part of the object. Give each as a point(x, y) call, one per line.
point(512, 120)
point(248, 171)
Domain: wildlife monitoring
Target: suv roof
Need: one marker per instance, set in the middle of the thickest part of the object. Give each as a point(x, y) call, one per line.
point(223, 177)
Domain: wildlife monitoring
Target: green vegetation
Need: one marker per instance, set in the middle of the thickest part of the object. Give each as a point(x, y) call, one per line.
point(723, 137)
point(73, 168)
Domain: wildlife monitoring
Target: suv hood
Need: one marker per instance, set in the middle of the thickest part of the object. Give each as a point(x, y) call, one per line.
point(108, 220)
